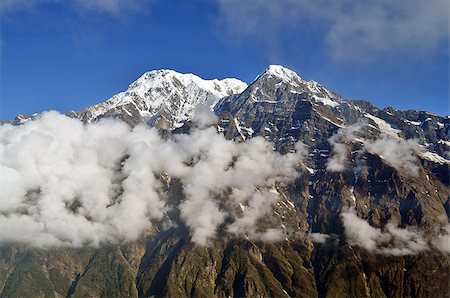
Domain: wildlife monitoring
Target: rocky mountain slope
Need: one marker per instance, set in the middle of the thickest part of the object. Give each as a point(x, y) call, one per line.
point(368, 215)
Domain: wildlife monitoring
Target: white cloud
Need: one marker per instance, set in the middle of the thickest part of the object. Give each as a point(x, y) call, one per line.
point(371, 27)
point(399, 153)
point(390, 241)
point(204, 117)
point(443, 241)
point(271, 235)
point(246, 18)
point(340, 147)
point(69, 184)
point(349, 29)
point(318, 237)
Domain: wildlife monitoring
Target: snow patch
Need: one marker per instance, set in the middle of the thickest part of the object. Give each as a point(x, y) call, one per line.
point(434, 157)
point(331, 121)
point(412, 122)
point(238, 128)
point(352, 195)
point(326, 101)
point(447, 143)
point(383, 126)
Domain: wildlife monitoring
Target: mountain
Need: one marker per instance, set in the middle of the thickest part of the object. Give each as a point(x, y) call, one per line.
point(281, 106)
point(368, 215)
point(162, 98)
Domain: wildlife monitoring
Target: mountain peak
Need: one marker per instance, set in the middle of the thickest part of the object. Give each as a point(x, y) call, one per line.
point(164, 77)
point(281, 72)
point(163, 94)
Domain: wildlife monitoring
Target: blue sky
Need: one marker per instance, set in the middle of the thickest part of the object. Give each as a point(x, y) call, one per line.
point(70, 54)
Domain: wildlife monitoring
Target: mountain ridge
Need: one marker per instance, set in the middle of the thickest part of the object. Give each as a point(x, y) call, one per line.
point(156, 98)
point(162, 116)
point(366, 215)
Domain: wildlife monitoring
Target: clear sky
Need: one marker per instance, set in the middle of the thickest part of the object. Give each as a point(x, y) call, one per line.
point(69, 54)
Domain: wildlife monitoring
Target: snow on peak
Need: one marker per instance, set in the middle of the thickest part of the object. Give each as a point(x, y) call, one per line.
point(234, 85)
point(165, 78)
point(281, 72)
point(167, 92)
point(317, 92)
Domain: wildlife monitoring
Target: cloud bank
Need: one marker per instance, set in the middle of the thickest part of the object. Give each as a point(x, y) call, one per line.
point(65, 183)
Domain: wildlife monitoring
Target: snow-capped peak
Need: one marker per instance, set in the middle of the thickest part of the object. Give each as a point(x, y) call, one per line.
point(281, 72)
point(317, 92)
point(167, 94)
point(167, 77)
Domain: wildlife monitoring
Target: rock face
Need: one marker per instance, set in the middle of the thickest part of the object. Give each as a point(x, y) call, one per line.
point(317, 258)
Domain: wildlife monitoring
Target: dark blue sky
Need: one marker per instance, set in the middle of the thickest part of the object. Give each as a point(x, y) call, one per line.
point(67, 55)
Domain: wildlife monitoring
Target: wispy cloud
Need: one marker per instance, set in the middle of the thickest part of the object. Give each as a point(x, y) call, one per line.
point(13, 6)
point(390, 241)
point(341, 148)
point(318, 237)
point(349, 30)
point(87, 14)
point(443, 241)
point(114, 8)
point(399, 153)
